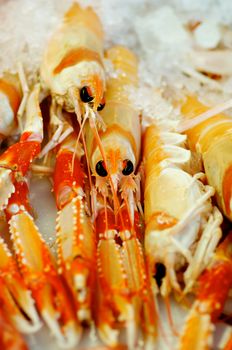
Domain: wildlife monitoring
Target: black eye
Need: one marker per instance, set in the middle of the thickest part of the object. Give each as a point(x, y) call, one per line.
point(100, 106)
point(128, 168)
point(100, 169)
point(85, 94)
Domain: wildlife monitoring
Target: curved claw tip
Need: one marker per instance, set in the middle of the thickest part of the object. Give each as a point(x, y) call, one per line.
point(66, 338)
point(109, 335)
point(72, 336)
point(27, 327)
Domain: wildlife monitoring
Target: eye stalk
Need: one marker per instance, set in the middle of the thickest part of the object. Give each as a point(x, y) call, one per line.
point(100, 169)
point(85, 94)
point(128, 167)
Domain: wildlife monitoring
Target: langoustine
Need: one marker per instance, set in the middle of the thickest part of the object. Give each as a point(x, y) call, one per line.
point(37, 267)
point(49, 291)
point(72, 71)
point(124, 296)
point(182, 228)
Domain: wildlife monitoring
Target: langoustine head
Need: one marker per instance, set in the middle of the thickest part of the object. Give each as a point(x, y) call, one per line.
point(72, 67)
point(118, 163)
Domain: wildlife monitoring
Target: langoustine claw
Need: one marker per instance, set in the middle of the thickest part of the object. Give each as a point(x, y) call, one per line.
point(16, 297)
point(76, 239)
point(38, 269)
point(124, 295)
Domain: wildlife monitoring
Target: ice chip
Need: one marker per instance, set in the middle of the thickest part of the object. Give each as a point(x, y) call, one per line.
point(162, 26)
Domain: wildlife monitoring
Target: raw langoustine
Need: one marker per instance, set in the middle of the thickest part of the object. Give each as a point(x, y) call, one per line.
point(124, 295)
point(178, 211)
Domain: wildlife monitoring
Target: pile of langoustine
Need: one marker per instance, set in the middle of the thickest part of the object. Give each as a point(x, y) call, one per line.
point(109, 245)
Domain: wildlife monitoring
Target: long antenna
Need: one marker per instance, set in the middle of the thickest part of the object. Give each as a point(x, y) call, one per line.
point(188, 124)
